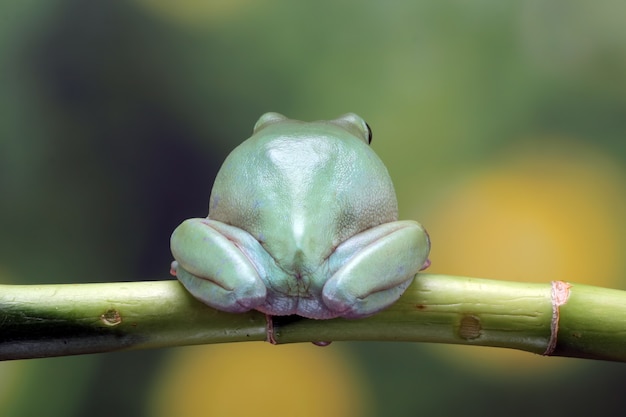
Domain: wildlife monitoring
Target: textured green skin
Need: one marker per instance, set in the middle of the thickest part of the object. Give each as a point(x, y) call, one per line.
point(302, 220)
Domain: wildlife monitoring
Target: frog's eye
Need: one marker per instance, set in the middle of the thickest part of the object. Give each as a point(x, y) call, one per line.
point(268, 119)
point(355, 125)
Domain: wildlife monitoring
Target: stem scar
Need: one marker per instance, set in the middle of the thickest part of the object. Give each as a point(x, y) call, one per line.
point(469, 327)
point(558, 296)
point(111, 317)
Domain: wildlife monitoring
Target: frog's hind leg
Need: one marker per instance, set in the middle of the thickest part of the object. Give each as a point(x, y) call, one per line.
point(213, 268)
point(379, 264)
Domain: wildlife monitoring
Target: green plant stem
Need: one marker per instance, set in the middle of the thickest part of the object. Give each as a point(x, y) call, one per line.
point(55, 320)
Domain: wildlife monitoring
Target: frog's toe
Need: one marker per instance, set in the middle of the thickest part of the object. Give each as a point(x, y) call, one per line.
point(241, 298)
point(173, 268)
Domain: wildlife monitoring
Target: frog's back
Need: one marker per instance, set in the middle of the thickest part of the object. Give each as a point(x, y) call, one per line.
point(315, 184)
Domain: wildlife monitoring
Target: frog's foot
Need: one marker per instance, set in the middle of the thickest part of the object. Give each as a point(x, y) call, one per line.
point(351, 306)
point(233, 300)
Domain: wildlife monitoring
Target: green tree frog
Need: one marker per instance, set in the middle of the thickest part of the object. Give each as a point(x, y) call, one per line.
point(303, 219)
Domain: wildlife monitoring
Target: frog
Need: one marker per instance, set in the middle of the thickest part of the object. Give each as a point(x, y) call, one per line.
point(303, 220)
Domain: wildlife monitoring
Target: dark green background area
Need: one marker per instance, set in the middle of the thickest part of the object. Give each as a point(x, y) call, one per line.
point(114, 120)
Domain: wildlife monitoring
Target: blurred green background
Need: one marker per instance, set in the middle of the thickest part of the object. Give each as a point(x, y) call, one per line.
point(503, 125)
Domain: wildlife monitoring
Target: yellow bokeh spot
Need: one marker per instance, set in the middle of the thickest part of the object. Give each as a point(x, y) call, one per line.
point(258, 379)
point(552, 211)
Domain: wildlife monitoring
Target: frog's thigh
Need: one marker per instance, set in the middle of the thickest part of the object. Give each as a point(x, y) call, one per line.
point(213, 268)
point(383, 264)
